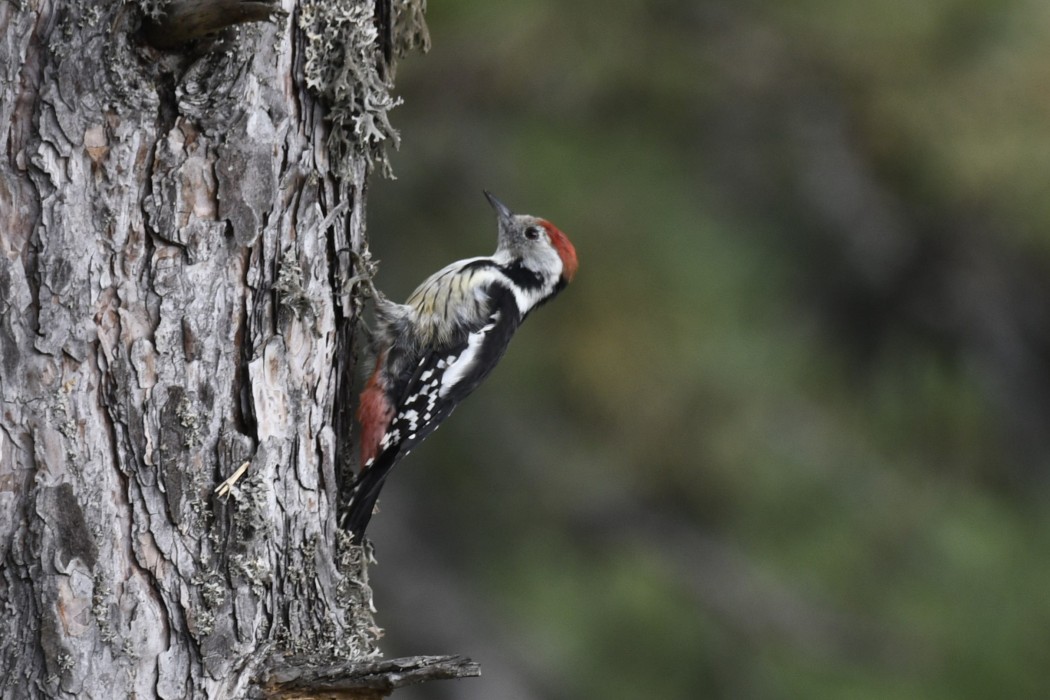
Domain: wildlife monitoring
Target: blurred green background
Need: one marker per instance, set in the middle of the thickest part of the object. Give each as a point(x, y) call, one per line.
point(786, 436)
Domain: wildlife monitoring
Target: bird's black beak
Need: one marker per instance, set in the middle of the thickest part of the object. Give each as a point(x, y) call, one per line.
point(502, 210)
point(504, 221)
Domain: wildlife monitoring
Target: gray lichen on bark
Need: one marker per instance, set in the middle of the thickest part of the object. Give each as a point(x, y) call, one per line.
point(409, 31)
point(147, 201)
point(343, 42)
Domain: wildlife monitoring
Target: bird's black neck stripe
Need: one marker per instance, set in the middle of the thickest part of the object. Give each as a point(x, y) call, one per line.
point(479, 264)
point(522, 276)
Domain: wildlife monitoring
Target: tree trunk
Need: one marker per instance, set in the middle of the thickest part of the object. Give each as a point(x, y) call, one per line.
point(180, 231)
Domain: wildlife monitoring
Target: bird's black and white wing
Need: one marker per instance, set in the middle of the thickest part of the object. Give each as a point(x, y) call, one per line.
point(442, 378)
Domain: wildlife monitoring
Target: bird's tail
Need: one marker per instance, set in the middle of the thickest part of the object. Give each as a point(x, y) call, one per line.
point(365, 492)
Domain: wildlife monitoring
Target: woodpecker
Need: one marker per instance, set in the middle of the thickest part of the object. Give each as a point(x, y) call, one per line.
point(436, 348)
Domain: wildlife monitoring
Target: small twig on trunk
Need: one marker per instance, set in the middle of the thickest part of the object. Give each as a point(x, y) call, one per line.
point(299, 678)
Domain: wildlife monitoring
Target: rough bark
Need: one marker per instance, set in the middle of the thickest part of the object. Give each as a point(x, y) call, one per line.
point(174, 302)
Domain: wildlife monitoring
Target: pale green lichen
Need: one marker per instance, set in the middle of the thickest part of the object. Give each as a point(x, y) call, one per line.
point(129, 650)
point(254, 570)
point(154, 9)
point(203, 623)
point(190, 421)
point(289, 288)
point(92, 16)
point(65, 662)
point(343, 70)
point(410, 27)
point(354, 594)
point(212, 590)
point(62, 37)
point(66, 424)
point(100, 595)
point(355, 636)
point(250, 496)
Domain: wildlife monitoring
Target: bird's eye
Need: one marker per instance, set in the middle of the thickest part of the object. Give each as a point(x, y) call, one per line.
point(532, 232)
